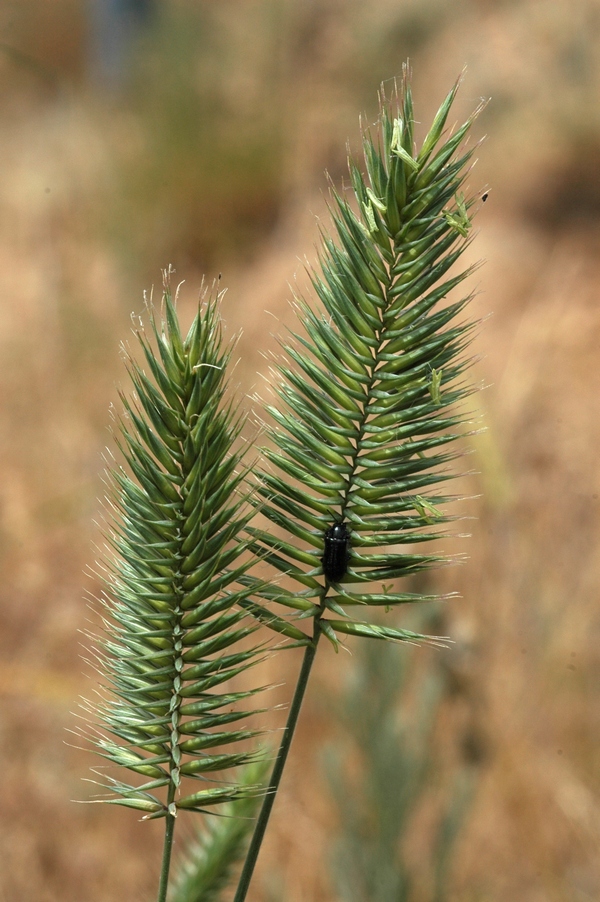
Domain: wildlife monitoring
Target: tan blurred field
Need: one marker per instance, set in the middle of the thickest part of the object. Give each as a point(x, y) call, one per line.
point(208, 153)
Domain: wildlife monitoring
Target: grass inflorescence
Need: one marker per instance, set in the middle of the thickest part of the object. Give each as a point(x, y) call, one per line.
point(371, 396)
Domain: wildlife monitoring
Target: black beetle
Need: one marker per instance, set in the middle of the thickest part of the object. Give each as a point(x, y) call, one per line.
point(336, 552)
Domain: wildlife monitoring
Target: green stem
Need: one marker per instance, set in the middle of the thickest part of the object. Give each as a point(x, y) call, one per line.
point(288, 734)
point(167, 848)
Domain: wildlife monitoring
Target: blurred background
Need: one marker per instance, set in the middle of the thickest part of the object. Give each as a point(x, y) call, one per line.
point(140, 133)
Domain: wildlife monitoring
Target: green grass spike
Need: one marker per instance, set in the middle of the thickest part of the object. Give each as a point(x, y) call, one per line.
point(363, 432)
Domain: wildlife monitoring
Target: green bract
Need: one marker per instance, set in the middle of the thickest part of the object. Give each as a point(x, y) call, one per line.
point(175, 630)
point(369, 390)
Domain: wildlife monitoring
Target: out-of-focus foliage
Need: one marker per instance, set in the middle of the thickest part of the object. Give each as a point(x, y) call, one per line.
point(200, 156)
point(382, 769)
point(207, 865)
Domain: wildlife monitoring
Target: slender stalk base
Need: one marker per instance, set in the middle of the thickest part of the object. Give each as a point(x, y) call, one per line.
point(288, 734)
point(166, 861)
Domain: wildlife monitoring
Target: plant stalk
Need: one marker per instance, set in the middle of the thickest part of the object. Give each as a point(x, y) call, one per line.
point(288, 735)
point(167, 849)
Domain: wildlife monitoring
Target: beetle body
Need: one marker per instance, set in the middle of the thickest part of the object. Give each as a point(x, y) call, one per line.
point(336, 552)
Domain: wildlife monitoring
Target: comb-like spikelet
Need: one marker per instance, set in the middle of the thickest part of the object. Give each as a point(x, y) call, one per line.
point(369, 390)
point(176, 631)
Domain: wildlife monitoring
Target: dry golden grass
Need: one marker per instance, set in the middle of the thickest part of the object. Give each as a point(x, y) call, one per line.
point(526, 661)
